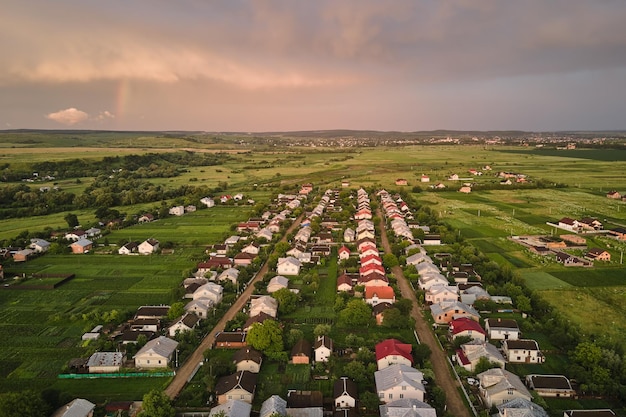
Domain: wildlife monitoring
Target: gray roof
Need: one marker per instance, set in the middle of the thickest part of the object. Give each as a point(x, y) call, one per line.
point(233, 408)
point(105, 359)
point(274, 404)
point(497, 380)
point(521, 407)
point(407, 407)
point(161, 346)
point(76, 408)
point(398, 375)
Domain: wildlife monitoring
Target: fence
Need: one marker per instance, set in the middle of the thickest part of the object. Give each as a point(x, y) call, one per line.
point(118, 375)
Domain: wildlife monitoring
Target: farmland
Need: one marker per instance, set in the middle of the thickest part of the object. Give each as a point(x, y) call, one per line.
point(41, 330)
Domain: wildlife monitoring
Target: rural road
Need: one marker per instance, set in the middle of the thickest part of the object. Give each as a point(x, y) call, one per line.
point(443, 377)
point(185, 372)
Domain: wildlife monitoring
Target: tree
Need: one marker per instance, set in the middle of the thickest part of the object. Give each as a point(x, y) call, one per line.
point(394, 319)
point(404, 305)
point(523, 303)
point(287, 300)
point(370, 401)
point(485, 364)
point(157, 404)
point(23, 404)
point(390, 260)
point(356, 371)
point(266, 336)
point(176, 310)
point(322, 330)
point(72, 220)
point(356, 313)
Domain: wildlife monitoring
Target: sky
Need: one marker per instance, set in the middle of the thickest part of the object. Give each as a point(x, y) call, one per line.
point(264, 65)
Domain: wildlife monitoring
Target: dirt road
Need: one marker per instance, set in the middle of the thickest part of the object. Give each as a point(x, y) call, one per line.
point(443, 377)
point(185, 372)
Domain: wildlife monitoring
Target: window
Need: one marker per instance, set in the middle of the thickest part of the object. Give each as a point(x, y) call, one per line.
point(403, 387)
point(390, 396)
point(381, 395)
point(401, 396)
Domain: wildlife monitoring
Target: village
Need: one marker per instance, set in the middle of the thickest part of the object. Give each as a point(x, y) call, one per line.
point(482, 343)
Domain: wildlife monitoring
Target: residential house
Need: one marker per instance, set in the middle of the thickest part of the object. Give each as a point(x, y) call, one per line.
point(129, 248)
point(23, 255)
point(445, 312)
point(274, 405)
point(473, 293)
point(151, 312)
point(264, 303)
point(239, 386)
point(379, 294)
point(401, 181)
point(344, 282)
point(157, 353)
point(322, 348)
point(277, 283)
point(39, 245)
point(614, 195)
point(248, 359)
point(570, 260)
point(399, 381)
point(407, 407)
point(375, 279)
point(345, 393)
point(184, 324)
point(177, 210)
point(288, 266)
point(211, 291)
point(75, 235)
point(252, 248)
point(93, 232)
point(146, 218)
point(207, 201)
point(105, 362)
point(230, 340)
point(619, 233)
point(81, 246)
point(441, 293)
point(431, 279)
point(301, 352)
point(76, 408)
point(466, 327)
point(470, 354)
point(431, 240)
point(465, 189)
point(148, 247)
point(557, 386)
point(343, 253)
point(418, 258)
point(259, 318)
point(521, 407)
point(502, 329)
point(349, 235)
point(393, 351)
point(497, 386)
point(200, 307)
point(231, 408)
point(230, 274)
point(522, 351)
point(214, 262)
point(243, 259)
point(597, 254)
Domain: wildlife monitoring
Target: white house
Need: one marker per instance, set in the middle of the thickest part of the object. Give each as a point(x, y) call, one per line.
point(522, 351)
point(177, 210)
point(264, 303)
point(502, 329)
point(497, 386)
point(469, 354)
point(277, 283)
point(345, 393)
point(39, 245)
point(148, 247)
point(208, 201)
point(184, 324)
point(288, 266)
point(210, 291)
point(230, 274)
point(157, 353)
point(407, 407)
point(398, 382)
point(322, 348)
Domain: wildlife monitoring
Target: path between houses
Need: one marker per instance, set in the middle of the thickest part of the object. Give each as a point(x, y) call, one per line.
point(185, 372)
point(443, 376)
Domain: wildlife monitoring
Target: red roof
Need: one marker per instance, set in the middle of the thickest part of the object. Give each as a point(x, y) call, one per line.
point(372, 277)
point(344, 249)
point(370, 258)
point(465, 324)
point(344, 279)
point(385, 292)
point(215, 261)
point(368, 269)
point(393, 347)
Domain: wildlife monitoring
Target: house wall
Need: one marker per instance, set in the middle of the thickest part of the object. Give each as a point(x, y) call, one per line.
point(235, 394)
point(392, 359)
point(503, 334)
point(298, 360)
point(322, 354)
point(104, 369)
point(345, 401)
point(398, 393)
point(248, 365)
point(151, 361)
point(523, 356)
point(502, 397)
